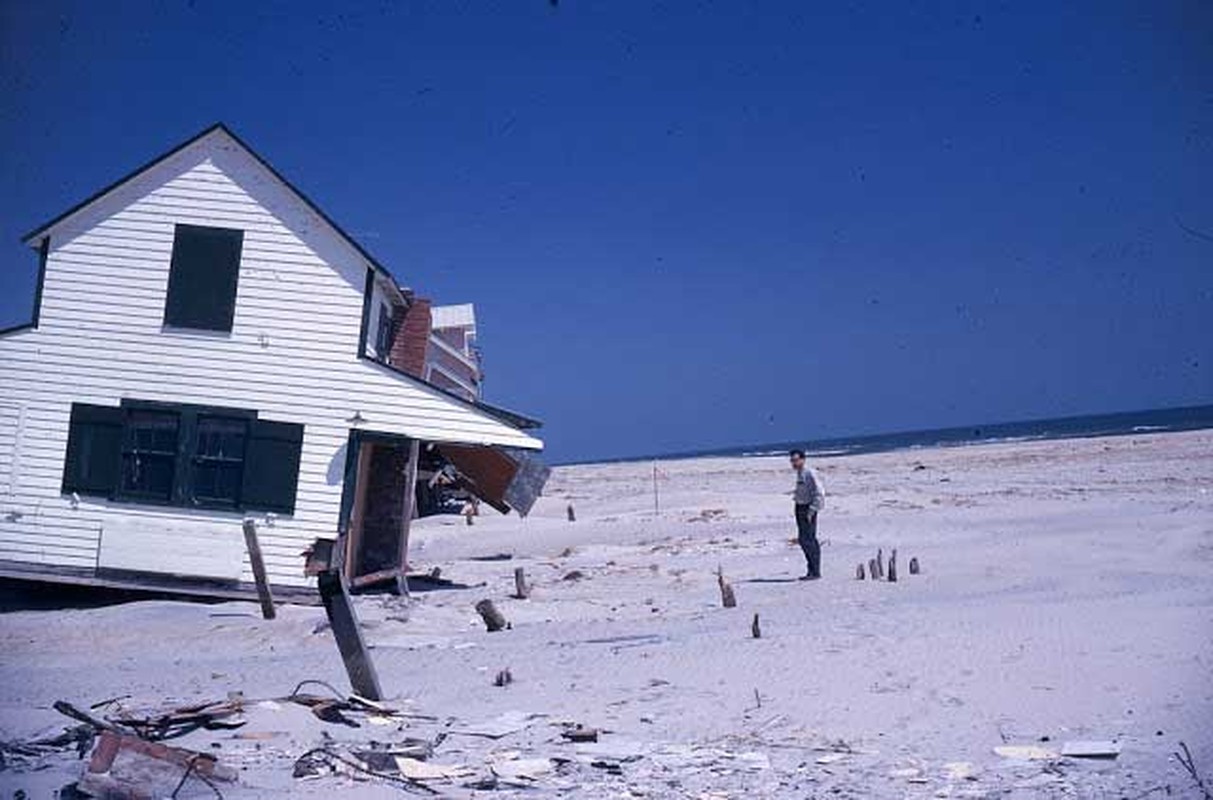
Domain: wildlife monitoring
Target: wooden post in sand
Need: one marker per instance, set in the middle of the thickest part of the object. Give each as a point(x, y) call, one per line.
point(258, 564)
point(727, 598)
point(893, 566)
point(859, 571)
point(755, 630)
point(880, 563)
point(493, 619)
point(914, 565)
point(572, 513)
point(521, 590)
point(872, 569)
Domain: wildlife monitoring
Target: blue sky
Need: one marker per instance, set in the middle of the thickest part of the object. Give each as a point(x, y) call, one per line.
point(689, 225)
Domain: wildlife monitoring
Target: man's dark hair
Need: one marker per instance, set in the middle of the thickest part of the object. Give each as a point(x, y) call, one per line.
point(796, 454)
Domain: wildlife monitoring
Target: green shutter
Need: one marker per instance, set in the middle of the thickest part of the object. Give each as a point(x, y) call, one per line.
point(94, 450)
point(203, 276)
point(271, 466)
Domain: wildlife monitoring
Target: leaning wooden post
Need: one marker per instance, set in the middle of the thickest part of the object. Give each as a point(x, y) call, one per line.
point(893, 566)
point(521, 590)
point(326, 561)
point(258, 565)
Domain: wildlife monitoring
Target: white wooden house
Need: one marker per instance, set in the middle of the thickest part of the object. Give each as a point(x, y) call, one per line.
point(202, 350)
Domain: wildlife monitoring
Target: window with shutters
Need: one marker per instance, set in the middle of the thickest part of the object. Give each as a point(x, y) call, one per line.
point(183, 455)
point(203, 275)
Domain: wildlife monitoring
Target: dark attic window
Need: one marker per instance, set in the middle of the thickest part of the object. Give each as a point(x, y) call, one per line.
point(202, 278)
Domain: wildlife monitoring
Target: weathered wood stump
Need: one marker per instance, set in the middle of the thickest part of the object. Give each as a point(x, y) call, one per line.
point(755, 629)
point(727, 598)
point(914, 565)
point(572, 513)
point(893, 566)
point(521, 590)
point(493, 619)
point(880, 562)
point(859, 575)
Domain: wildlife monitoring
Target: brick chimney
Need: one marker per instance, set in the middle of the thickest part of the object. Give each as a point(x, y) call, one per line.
point(412, 337)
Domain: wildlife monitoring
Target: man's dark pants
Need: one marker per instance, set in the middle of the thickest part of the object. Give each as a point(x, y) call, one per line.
point(806, 524)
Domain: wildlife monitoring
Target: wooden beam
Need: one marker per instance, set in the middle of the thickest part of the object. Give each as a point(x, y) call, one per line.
point(344, 621)
point(258, 565)
point(410, 502)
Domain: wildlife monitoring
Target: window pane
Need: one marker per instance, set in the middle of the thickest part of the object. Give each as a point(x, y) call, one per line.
point(149, 458)
point(219, 460)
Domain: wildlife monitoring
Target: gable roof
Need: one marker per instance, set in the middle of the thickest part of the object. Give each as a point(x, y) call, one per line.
point(33, 236)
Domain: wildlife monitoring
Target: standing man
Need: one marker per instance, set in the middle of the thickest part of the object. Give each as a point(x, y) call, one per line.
point(810, 498)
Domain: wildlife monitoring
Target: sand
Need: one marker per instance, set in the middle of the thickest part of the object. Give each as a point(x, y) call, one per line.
point(1065, 596)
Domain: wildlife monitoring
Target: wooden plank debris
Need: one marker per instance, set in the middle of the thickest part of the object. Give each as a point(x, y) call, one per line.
point(129, 768)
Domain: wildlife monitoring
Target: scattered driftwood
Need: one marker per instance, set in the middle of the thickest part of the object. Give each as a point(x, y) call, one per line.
point(504, 678)
point(129, 768)
point(755, 629)
point(727, 597)
point(880, 563)
point(521, 590)
point(1189, 764)
point(893, 566)
point(258, 565)
point(914, 566)
point(493, 619)
point(859, 574)
point(572, 513)
point(580, 733)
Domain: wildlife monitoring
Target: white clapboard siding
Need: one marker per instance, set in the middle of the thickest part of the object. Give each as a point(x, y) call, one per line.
point(291, 355)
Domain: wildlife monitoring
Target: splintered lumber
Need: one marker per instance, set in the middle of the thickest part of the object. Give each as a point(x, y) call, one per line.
point(493, 619)
point(521, 590)
point(727, 597)
point(859, 571)
point(880, 562)
point(893, 566)
point(258, 565)
point(346, 630)
point(914, 565)
point(128, 767)
point(755, 629)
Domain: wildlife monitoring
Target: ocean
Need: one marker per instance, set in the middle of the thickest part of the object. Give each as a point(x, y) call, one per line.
point(1120, 424)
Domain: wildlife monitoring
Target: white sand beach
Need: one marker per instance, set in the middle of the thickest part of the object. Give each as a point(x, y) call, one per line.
point(1066, 595)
